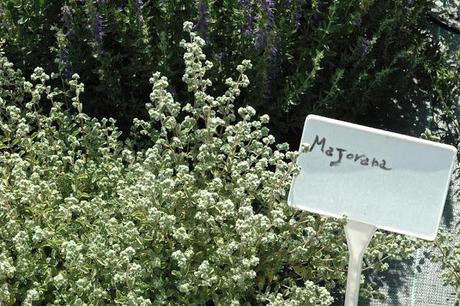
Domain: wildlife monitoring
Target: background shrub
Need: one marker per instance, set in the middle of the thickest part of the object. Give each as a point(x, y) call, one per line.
point(371, 62)
point(198, 216)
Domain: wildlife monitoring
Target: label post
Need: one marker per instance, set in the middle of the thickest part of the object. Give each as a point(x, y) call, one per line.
point(358, 237)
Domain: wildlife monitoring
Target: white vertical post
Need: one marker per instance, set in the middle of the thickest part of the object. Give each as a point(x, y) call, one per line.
point(358, 237)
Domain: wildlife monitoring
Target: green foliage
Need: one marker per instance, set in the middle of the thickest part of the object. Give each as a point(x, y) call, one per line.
point(371, 62)
point(198, 215)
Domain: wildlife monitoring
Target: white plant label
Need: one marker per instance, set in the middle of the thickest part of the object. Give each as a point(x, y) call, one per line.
point(391, 181)
point(377, 179)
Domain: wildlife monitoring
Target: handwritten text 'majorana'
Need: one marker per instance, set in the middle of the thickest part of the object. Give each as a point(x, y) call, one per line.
point(340, 154)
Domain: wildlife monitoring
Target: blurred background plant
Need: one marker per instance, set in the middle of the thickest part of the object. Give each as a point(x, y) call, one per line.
point(370, 62)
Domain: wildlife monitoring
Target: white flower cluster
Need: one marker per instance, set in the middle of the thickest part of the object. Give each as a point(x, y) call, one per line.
point(199, 216)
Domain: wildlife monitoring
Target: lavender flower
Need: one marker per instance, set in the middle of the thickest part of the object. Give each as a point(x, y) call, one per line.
point(298, 13)
point(273, 51)
point(287, 4)
point(138, 6)
point(202, 24)
point(66, 16)
point(64, 61)
point(262, 33)
point(98, 28)
point(248, 27)
point(268, 7)
point(1, 10)
point(362, 51)
point(358, 21)
point(261, 40)
point(220, 56)
point(302, 5)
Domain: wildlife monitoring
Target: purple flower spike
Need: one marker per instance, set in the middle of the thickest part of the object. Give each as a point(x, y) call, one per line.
point(358, 21)
point(273, 51)
point(362, 51)
point(298, 13)
point(203, 22)
point(64, 60)
point(261, 40)
point(66, 16)
point(220, 56)
point(68, 72)
point(302, 6)
point(268, 6)
point(287, 4)
point(248, 27)
point(1, 10)
point(138, 5)
point(98, 28)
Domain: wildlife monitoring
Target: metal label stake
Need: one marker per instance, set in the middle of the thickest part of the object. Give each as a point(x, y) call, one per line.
point(358, 237)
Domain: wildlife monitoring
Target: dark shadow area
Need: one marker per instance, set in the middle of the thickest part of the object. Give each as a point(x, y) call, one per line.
point(448, 212)
point(396, 280)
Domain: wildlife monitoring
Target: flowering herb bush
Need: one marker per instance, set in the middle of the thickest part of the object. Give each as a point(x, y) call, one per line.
point(372, 62)
point(196, 214)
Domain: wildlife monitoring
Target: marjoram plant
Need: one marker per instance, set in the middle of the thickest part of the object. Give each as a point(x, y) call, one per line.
point(195, 215)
